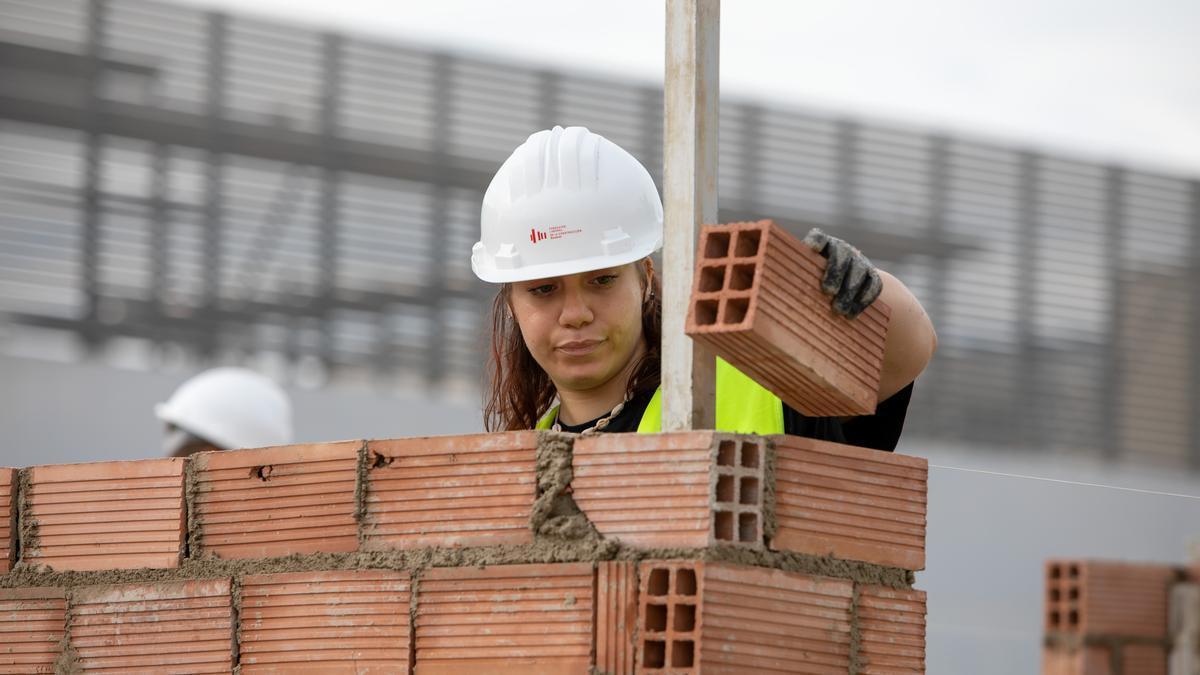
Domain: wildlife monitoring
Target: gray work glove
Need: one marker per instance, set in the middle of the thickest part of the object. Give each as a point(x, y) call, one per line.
point(850, 277)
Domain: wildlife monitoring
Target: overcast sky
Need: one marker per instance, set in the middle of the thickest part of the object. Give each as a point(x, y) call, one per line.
point(1109, 80)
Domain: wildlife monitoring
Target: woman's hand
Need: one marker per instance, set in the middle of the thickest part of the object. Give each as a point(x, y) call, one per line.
point(855, 283)
point(850, 277)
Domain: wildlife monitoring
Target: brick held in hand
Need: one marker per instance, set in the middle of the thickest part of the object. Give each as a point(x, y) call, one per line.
point(269, 502)
point(757, 302)
point(107, 515)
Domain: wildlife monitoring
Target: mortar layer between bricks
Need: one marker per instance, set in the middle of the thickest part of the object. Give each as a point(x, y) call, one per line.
point(562, 533)
point(27, 534)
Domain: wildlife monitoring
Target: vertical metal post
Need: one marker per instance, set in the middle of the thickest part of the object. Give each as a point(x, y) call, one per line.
point(1194, 323)
point(1114, 366)
point(1184, 629)
point(690, 191)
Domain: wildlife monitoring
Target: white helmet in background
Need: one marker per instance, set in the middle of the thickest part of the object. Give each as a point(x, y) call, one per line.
point(566, 201)
point(231, 408)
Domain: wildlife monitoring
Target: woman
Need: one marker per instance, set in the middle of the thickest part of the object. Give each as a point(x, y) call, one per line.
point(567, 227)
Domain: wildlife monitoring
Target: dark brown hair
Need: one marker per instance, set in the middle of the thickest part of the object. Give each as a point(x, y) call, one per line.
point(519, 391)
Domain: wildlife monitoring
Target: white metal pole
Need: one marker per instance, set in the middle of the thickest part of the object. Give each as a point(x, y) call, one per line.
point(1185, 630)
point(689, 200)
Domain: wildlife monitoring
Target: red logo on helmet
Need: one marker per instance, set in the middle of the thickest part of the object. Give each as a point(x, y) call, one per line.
point(536, 235)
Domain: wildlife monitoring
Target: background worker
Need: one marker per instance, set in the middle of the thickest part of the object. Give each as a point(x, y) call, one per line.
point(567, 227)
point(225, 409)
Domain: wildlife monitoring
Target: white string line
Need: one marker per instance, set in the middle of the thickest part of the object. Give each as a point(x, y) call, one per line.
point(1067, 482)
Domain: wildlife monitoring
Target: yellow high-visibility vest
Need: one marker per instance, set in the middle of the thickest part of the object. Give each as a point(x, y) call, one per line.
point(743, 407)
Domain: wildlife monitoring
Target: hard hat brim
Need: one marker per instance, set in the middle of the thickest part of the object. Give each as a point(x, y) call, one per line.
point(561, 269)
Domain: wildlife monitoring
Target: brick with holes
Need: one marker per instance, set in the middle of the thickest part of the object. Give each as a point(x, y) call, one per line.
point(1098, 598)
point(685, 489)
point(706, 617)
point(757, 302)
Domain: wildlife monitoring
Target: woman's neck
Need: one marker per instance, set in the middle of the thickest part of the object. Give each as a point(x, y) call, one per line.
point(579, 406)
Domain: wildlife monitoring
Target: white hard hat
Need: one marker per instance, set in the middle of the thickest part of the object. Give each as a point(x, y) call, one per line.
point(232, 408)
point(566, 201)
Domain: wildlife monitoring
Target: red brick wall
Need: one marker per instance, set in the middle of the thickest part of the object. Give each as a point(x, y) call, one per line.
point(421, 555)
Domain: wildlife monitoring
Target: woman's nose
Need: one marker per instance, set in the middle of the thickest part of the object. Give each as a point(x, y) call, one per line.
point(575, 310)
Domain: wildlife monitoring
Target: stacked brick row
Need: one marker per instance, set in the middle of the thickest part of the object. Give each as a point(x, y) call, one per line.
point(757, 302)
point(673, 617)
point(709, 552)
point(1107, 618)
point(692, 489)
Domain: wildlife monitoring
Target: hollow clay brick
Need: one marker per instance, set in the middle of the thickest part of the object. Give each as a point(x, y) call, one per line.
point(168, 627)
point(1099, 659)
point(1079, 660)
point(8, 518)
point(107, 515)
point(892, 629)
point(683, 489)
point(616, 616)
point(519, 619)
point(703, 617)
point(32, 624)
point(269, 502)
point(757, 302)
point(1095, 598)
point(848, 502)
point(474, 490)
point(353, 621)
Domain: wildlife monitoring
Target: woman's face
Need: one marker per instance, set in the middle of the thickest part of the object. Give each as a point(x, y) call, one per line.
point(582, 329)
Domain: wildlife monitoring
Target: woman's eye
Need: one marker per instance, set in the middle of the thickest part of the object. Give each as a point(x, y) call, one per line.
point(542, 290)
point(605, 279)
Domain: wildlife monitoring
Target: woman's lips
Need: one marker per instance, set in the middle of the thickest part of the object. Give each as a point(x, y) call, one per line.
point(579, 347)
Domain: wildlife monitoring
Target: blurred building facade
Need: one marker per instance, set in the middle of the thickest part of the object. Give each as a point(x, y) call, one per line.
point(178, 184)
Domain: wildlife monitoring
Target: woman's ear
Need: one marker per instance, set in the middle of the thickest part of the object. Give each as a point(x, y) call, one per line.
point(648, 279)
